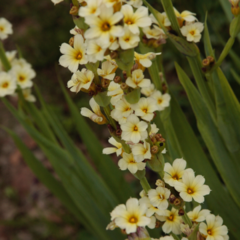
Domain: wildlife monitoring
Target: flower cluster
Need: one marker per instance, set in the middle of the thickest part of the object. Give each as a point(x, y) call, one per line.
point(165, 207)
point(102, 56)
point(19, 73)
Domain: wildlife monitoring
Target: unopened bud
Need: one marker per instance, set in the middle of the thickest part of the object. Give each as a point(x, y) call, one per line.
point(144, 39)
point(118, 132)
point(83, 4)
point(111, 226)
point(181, 212)
point(154, 149)
point(71, 41)
point(211, 59)
point(158, 224)
point(177, 202)
point(110, 128)
point(124, 86)
point(143, 194)
point(117, 79)
point(200, 237)
point(105, 83)
point(154, 140)
point(125, 75)
point(205, 62)
point(160, 183)
point(123, 231)
point(158, 136)
point(74, 10)
point(234, 3)
point(172, 198)
point(164, 88)
point(135, 67)
point(113, 55)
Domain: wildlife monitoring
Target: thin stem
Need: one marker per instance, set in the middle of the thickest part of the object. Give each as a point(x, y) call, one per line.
point(145, 185)
point(187, 220)
point(175, 236)
point(5, 62)
point(224, 53)
point(107, 111)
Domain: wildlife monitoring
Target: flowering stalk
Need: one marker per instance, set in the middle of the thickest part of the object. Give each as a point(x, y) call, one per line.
point(115, 78)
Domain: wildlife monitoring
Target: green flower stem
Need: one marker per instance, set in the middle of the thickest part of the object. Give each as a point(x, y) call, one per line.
point(5, 62)
point(224, 53)
point(168, 7)
point(145, 185)
point(107, 111)
point(187, 220)
point(175, 236)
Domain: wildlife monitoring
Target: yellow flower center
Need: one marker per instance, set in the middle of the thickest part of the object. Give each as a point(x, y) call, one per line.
point(192, 32)
point(175, 177)
point(127, 109)
point(5, 85)
point(93, 10)
point(190, 191)
point(21, 78)
point(133, 219)
point(171, 218)
point(127, 39)
point(160, 100)
point(79, 56)
point(99, 49)
point(129, 22)
point(209, 231)
point(1, 29)
point(145, 110)
point(135, 128)
point(106, 26)
point(161, 196)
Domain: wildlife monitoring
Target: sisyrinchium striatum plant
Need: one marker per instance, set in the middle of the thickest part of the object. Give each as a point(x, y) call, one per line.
point(115, 56)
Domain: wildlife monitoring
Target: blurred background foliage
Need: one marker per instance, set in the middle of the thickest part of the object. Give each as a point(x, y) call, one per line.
point(39, 29)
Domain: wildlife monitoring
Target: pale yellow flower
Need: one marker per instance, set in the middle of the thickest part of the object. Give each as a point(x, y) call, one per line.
point(5, 28)
point(134, 20)
point(116, 149)
point(137, 80)
point(80, 80)
point(131, 216)
point(128, 40)
point(214, 229)
point(198, 215)
point(96, 116)
point(128, 162)
point(192, 187)
point(7, 84)
point(192, 31)
point(73, 56)
point(159, 197)
point(134, 130)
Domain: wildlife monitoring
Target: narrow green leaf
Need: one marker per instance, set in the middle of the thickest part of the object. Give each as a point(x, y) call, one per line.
point(85, 172)
point(219, 200)
point(80, 23)
point(168, 7)
point(3, 58)
point(108, 170)
point(46, 178)
point(207, 42)
point(134, 96)
point(80, 194)
point(125, 60)
point(235, 75)
point(102, 99)
point(212, 138)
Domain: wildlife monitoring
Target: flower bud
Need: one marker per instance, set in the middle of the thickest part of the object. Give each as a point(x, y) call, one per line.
point(160, 183)
point(181, 212)
point(143, 194)
point(125, 75)
point(111, 226)
point(71, 41)
point(158, 136)
point(74, 10)
point(119, 132)
point(234, 3)
point(124, 86)
point(117, 79)
point(154, 149)
point(105, 83)
point(205, 62)
point(185, 229)
point(177, 202)
point(113, 55)
point(211, 59)
point(154, 140)
point(172, 198)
